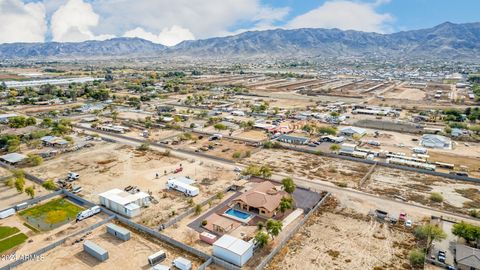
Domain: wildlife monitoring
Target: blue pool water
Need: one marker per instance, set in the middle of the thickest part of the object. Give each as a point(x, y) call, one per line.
point(237, 214)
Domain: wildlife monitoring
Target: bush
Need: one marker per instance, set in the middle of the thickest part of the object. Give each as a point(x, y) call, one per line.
point(49, 185)
point(237, 154)
point(204, 223)
point(416, 257)
point(474, 213)
point(198, 209)
point(436, 197)
point(143, 147)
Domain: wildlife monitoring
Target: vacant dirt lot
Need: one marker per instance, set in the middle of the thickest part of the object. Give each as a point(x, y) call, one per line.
point(342, 239)
point(130, 254)
point(311, 166)
point(458, 196)
point(108, 166)
point(9, 196)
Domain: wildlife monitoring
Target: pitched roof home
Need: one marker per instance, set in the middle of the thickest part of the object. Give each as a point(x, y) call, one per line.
point(467, 257)
point(263, 199)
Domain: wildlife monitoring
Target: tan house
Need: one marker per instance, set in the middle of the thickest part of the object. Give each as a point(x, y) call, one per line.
point(220, 225)
point(263, 199)
point(467, 258)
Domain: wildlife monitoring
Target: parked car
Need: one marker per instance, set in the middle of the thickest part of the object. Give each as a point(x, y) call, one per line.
point(71, 176)
point(408, 223)
point(441, 256)
point(402, 217)
point(237, 169)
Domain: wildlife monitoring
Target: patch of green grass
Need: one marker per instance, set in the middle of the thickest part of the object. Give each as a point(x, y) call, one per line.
point(54, 211)
point(12, 242)
point(31, 227)
point(6, 231)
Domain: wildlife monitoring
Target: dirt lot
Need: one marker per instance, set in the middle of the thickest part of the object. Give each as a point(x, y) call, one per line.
point(130, 254)
point(37, 240)
point(224, 148)
point(9, 196)
point(155, 134)
point(108, 166)
point(416, 187)
point(311, 166)
point(253, 135)
point(321, 243)
point(405, 93)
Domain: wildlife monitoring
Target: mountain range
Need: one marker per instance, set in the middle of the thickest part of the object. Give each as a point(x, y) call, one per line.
point(445, 41)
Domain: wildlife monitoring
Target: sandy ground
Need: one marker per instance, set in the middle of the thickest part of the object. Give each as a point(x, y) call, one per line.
point(253, 135)
point(417, 188)
point(130, 254)
point(109, 166)
point(4, 172)
point(10, 196)
point(343, 239)
point(155, 134)
point(405, 93)
point(222, 148)
point(310, 166)
point(37, 240)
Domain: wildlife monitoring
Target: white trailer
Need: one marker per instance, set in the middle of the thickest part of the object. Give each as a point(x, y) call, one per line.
point(88, 213)
point(186, 189)
point(182, 263)
point(7, 213)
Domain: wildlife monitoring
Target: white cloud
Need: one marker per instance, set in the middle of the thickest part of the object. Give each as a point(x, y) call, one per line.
point(345, 15)
point(203, 19)
point(168, 36)
point(21, 22)
point(73, 22)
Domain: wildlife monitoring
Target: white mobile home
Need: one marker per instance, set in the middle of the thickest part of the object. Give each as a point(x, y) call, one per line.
point(185, 188)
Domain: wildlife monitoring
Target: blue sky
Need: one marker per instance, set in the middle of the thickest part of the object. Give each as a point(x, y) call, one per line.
point(172, 21)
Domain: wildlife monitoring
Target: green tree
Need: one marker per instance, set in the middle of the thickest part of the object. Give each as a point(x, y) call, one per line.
point(285, 204)
point(49, 185)
point(327, 130)
point(430, 233)
point(469, 232)
point(220, 126)
point(274, 227)
point(261, 239)
point(288, 185)
point(20, 184)
point(198, 209)
point(34, 160)
point(30, 191)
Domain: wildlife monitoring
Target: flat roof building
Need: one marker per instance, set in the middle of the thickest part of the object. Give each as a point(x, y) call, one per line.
point(123, 202)
point(233, 250)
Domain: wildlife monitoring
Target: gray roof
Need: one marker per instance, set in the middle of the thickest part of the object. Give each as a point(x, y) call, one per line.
point(468, 256)
point(13, 157)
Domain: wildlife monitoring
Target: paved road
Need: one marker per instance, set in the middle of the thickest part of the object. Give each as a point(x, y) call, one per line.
point(358, 200)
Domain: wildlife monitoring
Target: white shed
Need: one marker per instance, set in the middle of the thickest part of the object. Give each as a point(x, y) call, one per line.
point(233, 250)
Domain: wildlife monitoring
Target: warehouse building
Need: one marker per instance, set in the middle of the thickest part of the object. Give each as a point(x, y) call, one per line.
point(233, 250)
point(123, 202)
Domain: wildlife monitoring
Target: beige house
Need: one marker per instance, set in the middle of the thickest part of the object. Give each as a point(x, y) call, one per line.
point(262, 199)
point(467, 258)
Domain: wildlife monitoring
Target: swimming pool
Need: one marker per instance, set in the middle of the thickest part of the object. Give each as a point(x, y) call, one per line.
point(238, 215)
